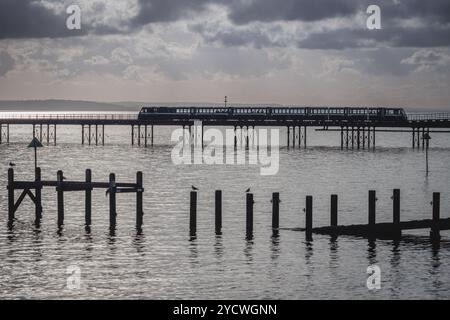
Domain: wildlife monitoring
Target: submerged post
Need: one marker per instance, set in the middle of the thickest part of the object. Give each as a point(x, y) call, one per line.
point(88, 198)
point(218, 212)
point(249, 216)
point(112, 201)
point(309, 216)
point(193, 215)
point(60, 197)
point(372, 206)
point(139, 206)
point(38, 204)
point(275, 212)
point(396, 212)
point(435, 232)
point(10, 195)
point(334, 210)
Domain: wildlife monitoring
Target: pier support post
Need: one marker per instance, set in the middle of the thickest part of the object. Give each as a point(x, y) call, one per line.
point(60, 198)
point(11, 212)
point(342, 138)
point(334, 210)
point(309, 217)
point(304, 136)
point(152, 135)
point(132, 135)
point(38, 196)
point(88, 198)
point(146, 137)
point(275, 213)
point(288, 136)
point(139, 197)
point(218, 212)
point(374, 138)
point(193, 215)
point(346, 140)
point(435, 231)
point(372, 207)
point(414, 138)
point(249, 216)
point(396, 212)
point(358, 139)
point(112, 202)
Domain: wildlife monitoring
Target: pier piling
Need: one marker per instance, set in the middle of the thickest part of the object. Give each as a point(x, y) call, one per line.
point(11, 211)
point(112, 202)
point(139, 198)
point(38, 197)
point(60, 198)
point(372, 207)
point(396, 212)
point(275, 212)
point(88, 198)
point(218, 212)
point(193, 215)
point(435, 232)
point(309, 217)
point(334, 210)
point(249, 216)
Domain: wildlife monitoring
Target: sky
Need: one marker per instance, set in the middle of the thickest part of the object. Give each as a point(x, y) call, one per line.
point(291, 52)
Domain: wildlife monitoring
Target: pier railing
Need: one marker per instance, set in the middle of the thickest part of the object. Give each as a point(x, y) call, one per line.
point(429, 116)
point(69, 116)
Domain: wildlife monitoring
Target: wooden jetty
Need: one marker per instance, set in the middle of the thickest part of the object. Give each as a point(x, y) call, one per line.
point(385, 230)
point(389, 230)
point(61, 185)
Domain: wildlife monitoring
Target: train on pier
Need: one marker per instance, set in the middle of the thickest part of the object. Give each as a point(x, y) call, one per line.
point(273, 113)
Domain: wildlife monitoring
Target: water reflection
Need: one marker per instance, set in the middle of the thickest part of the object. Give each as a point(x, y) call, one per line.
point(334, 246)
point(218, 246)
point(248, 251)
point(275, 248)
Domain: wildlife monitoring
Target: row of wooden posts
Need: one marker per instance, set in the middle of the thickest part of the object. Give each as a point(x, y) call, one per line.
point(62, 186)
point(392, 230)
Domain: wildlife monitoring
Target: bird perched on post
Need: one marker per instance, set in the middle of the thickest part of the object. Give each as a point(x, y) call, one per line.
point(194, 188)
point(12, 164)
point(247, 191)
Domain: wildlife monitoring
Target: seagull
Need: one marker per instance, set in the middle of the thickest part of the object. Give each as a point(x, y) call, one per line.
point(12, 164)
point(247, 191)
point(194, 188)
point(107, 192)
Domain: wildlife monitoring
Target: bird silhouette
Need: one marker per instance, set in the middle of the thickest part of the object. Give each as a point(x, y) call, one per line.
point(107, 192)
point(194, 188)
point(12, 164)
point(247, 191)
point(64, 178)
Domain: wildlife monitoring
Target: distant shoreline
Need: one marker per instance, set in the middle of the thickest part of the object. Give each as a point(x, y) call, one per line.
point(126, 106)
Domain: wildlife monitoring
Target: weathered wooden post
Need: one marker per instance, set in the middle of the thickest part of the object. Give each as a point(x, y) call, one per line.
point(218, 212)
point(38, 196)
point(88, 198)
point(275, 212)
point(112, 201)
point(435, 232)
point(372, 206)
point(139, 206)
point(60, 197)
point(10, 195)
point(334, 210)
point(193, 215)
point(309, 217)
point(249, 216)
point(396, 212)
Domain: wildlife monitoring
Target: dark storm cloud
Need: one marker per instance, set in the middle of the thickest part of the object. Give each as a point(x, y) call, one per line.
point(28, 19)
point(242, 12)
point(151, 11)
point(392, 37)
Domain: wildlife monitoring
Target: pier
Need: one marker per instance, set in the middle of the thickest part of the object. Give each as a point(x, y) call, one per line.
point(355, 132)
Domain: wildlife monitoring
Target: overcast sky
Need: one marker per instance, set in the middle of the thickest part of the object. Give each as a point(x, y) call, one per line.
point(302, 52)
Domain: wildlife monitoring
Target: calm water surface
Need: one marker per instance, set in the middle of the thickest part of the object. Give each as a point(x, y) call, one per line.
point(162, 263)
